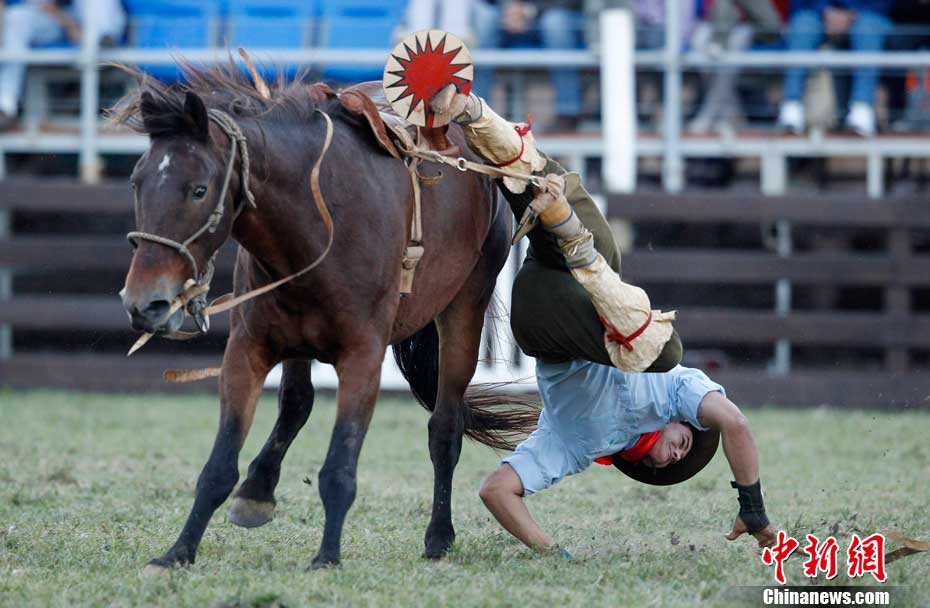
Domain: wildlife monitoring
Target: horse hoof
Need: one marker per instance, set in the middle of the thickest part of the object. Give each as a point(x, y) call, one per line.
point(250, 513)
point(319, 563)
point(438, 545)
point(436, 554)
point(154, 571)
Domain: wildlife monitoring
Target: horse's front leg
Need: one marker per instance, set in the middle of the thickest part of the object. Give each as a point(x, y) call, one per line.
point(359, 379)
point(244, 369)
point(254, 503)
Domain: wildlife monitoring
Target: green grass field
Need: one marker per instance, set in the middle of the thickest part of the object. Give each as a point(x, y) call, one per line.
point(92, 487)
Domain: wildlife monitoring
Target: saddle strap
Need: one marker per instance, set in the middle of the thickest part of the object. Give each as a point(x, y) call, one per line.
point(414, 251)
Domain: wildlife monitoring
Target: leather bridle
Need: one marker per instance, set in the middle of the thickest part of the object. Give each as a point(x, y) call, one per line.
point(197, 304)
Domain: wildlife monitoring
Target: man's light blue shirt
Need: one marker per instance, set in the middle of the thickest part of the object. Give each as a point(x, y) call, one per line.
point(592, 410)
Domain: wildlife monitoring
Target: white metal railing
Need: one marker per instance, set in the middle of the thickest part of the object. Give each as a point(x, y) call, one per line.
point(505, 58)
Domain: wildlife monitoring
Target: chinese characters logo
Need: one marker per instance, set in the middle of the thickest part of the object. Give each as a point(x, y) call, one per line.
point(863, 556)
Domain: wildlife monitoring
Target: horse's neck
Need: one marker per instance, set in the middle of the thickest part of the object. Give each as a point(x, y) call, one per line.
point(277, 233)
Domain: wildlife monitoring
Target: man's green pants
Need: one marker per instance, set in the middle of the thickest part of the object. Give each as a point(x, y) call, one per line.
point(552, 316)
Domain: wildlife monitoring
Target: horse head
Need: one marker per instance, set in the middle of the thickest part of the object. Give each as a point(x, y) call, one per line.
point(184, 207)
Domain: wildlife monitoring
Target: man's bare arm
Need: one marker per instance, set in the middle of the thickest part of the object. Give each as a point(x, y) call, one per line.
point(739, 446)
point(719, 413)
point(502, 494)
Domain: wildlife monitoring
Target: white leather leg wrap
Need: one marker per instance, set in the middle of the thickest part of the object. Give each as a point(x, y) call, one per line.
point(626, 308)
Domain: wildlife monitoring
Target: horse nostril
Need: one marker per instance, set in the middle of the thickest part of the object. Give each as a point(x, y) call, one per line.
point(156, 310)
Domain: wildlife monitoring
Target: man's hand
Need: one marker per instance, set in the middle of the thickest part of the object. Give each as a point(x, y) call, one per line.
point(554, 185)
point(765, 536)
point(553, 189)
point(447, 104)
point(546, 200)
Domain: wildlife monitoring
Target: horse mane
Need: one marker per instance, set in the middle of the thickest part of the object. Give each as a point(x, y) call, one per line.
point(224, 87)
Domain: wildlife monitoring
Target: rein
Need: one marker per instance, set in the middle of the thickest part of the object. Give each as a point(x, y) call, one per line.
point(463, 164)
point(192, 299)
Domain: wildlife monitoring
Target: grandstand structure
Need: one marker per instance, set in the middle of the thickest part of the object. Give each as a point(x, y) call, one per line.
point(346, 40)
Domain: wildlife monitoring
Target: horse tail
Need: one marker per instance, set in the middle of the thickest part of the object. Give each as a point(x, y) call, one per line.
point(497, 419)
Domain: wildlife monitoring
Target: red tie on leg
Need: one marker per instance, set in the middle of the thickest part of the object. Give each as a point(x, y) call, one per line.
point(614, 335)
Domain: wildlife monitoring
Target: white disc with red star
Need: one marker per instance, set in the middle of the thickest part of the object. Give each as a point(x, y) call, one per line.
point(418, 67)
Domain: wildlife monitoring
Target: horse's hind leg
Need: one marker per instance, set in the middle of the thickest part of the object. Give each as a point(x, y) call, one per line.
point(359, 374)
point(459, 328)
point(254, 503)
point(244, 371)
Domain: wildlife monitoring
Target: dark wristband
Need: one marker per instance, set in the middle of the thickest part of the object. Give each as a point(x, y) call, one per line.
point(751, 507)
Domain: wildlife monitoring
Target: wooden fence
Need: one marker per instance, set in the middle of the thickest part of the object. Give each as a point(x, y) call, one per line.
point(63, 257)
point(895, 267)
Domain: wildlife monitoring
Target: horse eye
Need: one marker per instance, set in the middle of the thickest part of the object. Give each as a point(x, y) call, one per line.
point(200, 192)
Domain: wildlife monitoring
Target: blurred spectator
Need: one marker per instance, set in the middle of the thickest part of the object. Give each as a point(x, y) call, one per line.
point(910, 91)
point(729, 25)
point(650, 22)
point(592, 10)
point(452, 16)
point(866, 23)
point(650, 36)
point(553, 24)
point(45, 22)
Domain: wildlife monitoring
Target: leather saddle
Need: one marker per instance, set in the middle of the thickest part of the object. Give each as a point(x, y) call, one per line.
point(367, 101)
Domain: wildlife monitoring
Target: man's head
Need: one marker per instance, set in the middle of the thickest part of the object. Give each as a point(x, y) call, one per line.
point(673, 444)
point(672, 455)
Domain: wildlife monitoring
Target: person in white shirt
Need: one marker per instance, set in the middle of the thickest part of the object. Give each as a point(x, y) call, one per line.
point(46, 22)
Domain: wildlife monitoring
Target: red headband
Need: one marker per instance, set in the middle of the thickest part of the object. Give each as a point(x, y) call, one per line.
point(637, 452)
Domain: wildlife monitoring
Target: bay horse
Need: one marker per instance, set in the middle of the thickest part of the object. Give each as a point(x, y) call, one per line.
point(345, 312)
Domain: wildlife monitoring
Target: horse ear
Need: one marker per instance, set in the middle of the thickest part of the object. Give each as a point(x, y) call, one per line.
point(148, 108)
point(196, 115)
